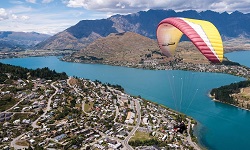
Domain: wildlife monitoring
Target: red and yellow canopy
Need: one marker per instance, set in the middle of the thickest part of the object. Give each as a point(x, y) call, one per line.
point(203, 34)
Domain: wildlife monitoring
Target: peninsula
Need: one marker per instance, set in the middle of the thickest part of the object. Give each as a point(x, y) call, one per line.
point(236, 94)
point(44, 109)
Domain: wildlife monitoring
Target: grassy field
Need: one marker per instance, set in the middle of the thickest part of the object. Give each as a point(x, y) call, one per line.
point(23, 116)
point(88, 106)
point(7, 102)
point(243, 98)
point(246, 92)
point(73, 81)
point(22, 143)
point(141, 136)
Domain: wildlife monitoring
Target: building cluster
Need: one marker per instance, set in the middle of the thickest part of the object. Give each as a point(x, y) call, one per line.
point(81, 114)
point(163, 124)
point(32, 53)
point(218, 68)
point(236, 70)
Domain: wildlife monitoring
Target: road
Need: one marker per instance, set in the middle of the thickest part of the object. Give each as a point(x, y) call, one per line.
point(48, 108)
point(13, 142)
point(16, 104)
point(73, 86)
point(138, 110)
point(34, 124)
point(116, 113)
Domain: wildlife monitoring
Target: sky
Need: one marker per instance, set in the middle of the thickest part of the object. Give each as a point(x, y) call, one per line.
point(53, 16)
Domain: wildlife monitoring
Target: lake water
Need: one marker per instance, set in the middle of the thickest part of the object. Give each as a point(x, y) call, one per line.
point(241, 57)
point(221, 126)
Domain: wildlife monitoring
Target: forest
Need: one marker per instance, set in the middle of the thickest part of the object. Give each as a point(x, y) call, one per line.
point(224, 93)
point(15, 72)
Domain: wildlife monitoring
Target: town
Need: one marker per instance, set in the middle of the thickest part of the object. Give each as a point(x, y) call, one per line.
point(178, 64)
point(82, 114)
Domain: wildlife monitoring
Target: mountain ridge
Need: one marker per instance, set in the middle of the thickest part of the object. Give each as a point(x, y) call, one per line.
point(11, 40)
point(144, 23)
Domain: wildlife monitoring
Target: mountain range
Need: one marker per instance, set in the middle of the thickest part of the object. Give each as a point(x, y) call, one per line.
point(10, 40)
point(79, 36)
point(76, 37)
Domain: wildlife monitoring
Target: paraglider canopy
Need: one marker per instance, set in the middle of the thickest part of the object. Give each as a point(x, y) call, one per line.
point(203, 34)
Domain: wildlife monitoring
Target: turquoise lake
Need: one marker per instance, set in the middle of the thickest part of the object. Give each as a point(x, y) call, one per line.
point(221, 126)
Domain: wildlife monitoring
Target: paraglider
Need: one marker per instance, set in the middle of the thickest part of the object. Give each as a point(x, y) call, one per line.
point(203, 34)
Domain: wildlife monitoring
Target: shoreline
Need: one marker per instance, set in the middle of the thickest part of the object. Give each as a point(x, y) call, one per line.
point(144, 68)
point(176, 66)
point(234, 70)
point(193, 67)
point(218, 101)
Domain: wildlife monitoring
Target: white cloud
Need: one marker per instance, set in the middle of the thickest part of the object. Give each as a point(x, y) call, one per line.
point(20, 9)
point(47, 1)
point(3, 14)
point(48, 23)
point(13, 16)
point(31, 1)
point(42, 18)
point(231, 6)
point(130, 6)
point(24, 17)
point(120, 5)
point(8, 15)
point(16, 2)
point(77, 3)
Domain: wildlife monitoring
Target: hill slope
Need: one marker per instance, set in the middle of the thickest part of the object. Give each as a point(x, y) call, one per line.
point(132, 49)
point(119, 48)
point(10, 40)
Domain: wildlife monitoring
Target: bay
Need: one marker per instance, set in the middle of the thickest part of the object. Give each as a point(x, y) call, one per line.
point(220, 126)
point(241, 57)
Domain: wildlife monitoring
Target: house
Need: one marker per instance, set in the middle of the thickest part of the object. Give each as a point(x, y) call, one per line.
point(5, 139)
point(26, 121)
point(32, 141)
point(130, 118)
point(16, 122)
point(164, 137)
point(99, 146)
point(116, 145)
point(2, 119)
point(145, 120)
point(2, 115)
point(60, 137)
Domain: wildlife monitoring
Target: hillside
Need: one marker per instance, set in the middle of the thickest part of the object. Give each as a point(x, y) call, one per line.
point(239, 43)
point(66, 41)
point(124, 48)
point(10, 40)
point(130, 49)
point(76, 37)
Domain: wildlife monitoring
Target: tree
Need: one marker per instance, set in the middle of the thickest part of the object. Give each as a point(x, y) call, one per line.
point(73, 103)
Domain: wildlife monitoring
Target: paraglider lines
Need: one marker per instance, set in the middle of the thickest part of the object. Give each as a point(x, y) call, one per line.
point(181, 92)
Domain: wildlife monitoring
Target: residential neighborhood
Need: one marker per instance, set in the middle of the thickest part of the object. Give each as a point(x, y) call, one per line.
point(82, 114)
point(179, 64)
